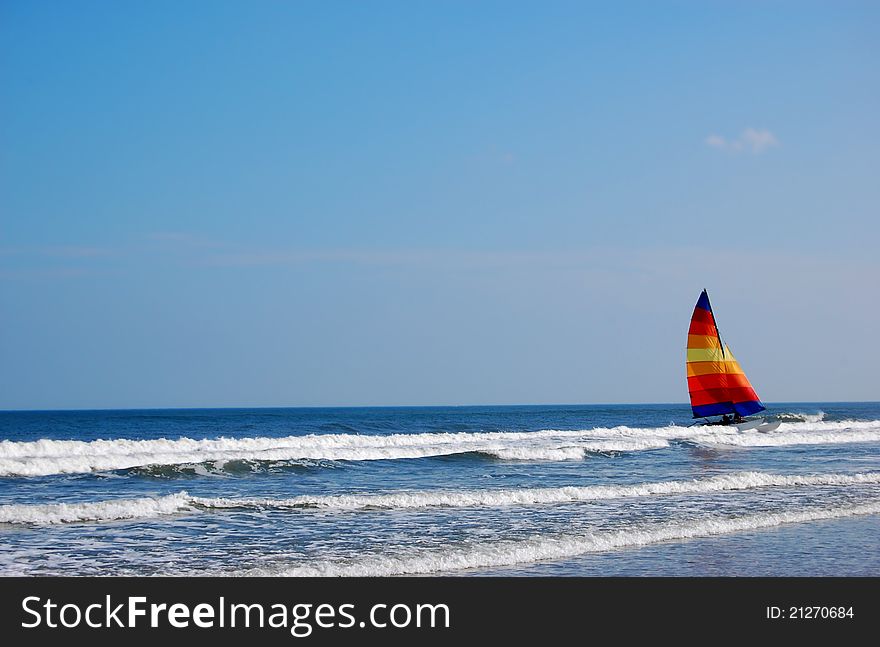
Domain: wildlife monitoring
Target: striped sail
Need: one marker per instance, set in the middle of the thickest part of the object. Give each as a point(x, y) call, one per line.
point(716, 382)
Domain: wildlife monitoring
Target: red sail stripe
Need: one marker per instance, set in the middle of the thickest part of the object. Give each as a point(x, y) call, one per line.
point(717, 381)
point(703, 316)
point(701, 328)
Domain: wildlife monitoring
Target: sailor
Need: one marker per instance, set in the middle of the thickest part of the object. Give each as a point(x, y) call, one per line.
point(737, 418)
point(725, 420)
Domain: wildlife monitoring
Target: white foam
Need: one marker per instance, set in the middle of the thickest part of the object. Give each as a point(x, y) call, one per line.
point(181, 502)
point(114, 509)
point(576, 452)
point(526, 496)
point(756, 439)
point(46, 457)
point(552, 547)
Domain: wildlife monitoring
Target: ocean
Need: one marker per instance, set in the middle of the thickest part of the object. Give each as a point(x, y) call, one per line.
point(588, 490)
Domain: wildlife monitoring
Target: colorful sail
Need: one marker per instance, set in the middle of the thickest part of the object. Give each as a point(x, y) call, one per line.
point(716, 382)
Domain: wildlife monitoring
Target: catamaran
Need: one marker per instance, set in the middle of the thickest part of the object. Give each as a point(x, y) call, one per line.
point(716, 382)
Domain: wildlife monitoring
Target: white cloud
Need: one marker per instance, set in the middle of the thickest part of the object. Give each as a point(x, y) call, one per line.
point(716, 141)
point(750, 139)
point(758, 140)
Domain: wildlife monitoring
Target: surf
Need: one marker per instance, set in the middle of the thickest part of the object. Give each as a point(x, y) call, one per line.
point(47, 457)
point(184, 503)
point(542, 548)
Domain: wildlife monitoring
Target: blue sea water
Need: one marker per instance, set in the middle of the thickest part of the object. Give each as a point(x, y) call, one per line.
point(624, 490)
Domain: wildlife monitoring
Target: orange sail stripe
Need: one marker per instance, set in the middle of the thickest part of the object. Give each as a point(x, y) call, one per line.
point(703, 341)
point(708, 368)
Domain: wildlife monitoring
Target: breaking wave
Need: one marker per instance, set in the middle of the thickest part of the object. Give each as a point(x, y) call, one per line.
point(181, 502)
point(801, 417)
point(47, 457)
point(552, 547)
point(116, 509)
point(757, 439)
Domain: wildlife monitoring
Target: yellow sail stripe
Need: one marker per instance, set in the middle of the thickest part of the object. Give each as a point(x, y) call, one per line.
point(705, 355)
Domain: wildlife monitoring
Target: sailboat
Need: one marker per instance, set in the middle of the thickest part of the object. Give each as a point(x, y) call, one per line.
point(716, 382)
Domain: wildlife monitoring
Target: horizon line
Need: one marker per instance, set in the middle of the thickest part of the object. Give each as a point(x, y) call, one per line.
point(404, 406)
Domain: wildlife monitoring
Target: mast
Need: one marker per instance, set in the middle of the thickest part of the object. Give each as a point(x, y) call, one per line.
point(714, 322)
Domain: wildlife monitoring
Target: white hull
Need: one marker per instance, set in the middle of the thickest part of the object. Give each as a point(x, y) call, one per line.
point(761, 424)
point(769, 426)
point(749, 424)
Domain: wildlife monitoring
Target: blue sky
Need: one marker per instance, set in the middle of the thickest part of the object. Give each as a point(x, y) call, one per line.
point(339, 203)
